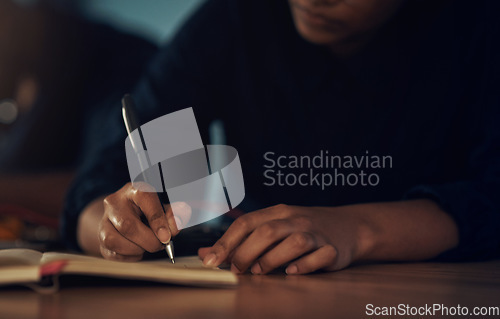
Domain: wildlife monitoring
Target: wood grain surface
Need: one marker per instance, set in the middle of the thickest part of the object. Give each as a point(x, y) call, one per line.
point(342, 294)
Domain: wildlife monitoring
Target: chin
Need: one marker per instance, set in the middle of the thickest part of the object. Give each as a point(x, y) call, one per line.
point(317, 36)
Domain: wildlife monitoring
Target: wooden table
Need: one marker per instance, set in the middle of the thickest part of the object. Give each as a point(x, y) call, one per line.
point(343, 294)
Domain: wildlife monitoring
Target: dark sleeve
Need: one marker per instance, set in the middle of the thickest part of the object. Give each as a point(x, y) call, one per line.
point(190, 71)
point(474, 203)
point(474, 200)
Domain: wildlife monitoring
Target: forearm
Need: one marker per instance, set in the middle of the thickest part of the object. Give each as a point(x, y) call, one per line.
point(88, 225)
point(403, 231)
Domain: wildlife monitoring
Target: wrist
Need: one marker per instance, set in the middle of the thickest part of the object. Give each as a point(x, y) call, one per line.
point(87, 227)
point(365, 233)
point(403, 230)
point(366, 239)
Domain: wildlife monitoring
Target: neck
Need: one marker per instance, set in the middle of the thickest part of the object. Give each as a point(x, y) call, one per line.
point(348, 47)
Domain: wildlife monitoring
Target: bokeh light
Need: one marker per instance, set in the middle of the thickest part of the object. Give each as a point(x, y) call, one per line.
point(8, 111)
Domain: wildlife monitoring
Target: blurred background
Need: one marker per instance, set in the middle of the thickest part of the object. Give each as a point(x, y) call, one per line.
point(57, 58)
point(155, 20)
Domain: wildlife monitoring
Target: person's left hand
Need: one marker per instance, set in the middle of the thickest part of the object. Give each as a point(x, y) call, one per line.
point(309, 238)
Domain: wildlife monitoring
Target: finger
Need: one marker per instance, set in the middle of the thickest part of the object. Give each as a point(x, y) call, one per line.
point(237, 232)
point(111, 255)
point(203, 251)
point(112, 240)
point(324, 257)
point(178, 216)
point(260, 241)
point(294, 246)
point(172, 223)
point(126, 221)
point(150, 205)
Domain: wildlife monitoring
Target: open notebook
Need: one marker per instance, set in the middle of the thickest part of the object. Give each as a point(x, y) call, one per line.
point(28, 267)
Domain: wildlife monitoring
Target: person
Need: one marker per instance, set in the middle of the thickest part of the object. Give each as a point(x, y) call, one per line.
point(414, 83)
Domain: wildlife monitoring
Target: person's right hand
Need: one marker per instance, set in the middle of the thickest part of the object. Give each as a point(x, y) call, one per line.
point(122, 234)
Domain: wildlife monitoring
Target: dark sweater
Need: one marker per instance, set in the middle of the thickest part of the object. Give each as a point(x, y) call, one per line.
point(424, 94)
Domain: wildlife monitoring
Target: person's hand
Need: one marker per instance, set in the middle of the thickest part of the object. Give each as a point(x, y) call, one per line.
point(122, 234)
point(308, 238)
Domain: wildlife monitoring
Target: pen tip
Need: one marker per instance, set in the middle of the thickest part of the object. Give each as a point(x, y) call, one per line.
point(170, 251)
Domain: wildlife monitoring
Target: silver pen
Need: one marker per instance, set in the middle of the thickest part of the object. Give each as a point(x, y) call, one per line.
point(131, 124)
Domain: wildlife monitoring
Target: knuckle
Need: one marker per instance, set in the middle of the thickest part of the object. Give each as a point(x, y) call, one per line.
point(101, 236)
point(142, 188)
point(106, 253)
point(266, 231)
point(108, 241)
point(241, 222)
point(283, 210)
point(110, 200)
point(221, 246)
point(125, 226)
point(282, 207)
point(301, 240)
point(330, 252)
